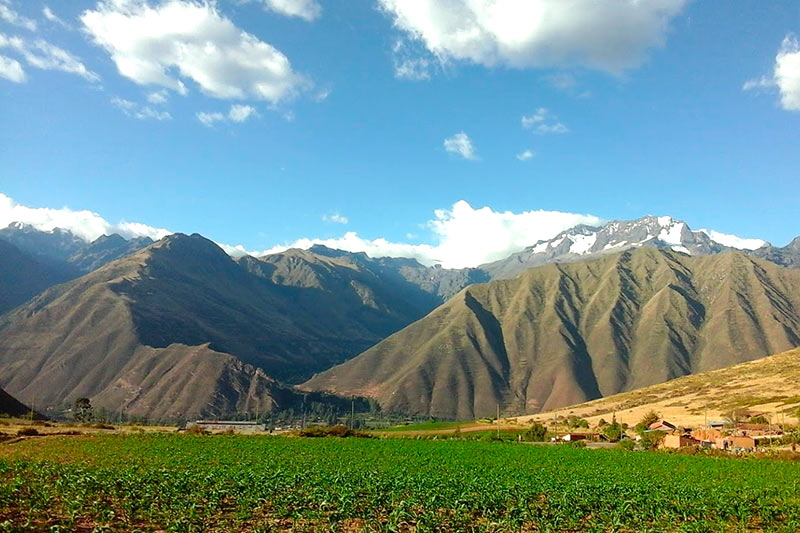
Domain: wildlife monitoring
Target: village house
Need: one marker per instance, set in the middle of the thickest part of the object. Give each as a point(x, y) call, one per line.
point(676, 440)
point(661, 425)
point(736, 443)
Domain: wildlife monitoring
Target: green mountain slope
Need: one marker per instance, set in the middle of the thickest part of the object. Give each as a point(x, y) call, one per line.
point(562, 334)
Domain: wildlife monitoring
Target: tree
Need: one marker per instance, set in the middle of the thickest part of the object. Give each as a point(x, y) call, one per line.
point(537, 433)
point(646, 421)
point(651, 439)
point(614, 431)
point(576, 422)
point(82, 410)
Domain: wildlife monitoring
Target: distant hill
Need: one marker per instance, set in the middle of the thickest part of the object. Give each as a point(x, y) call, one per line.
point(22, 276)
point(62, 248)
point(770, 385)
point(562, 334)
point(181, 327)
point(32, 260)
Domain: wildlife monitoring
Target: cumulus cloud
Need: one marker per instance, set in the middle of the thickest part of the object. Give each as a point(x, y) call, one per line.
point(46, 56)
point(608, 35)
point(305, 9)
point(14, 18)
point(11, 70)
point(158, 97)
point(335, 218)
point(236, 113)
point(209, 119)
point(464, 236)
point(240, 113)
point(461, 145)
point(525, 155)
point(785, 76)
point(734, 241)
point(84, 224)
point(543, 121)
point(181, 40)
point(140, 112)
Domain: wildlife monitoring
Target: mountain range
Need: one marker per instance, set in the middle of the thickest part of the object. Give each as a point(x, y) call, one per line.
point(179, 328)
point(586, 242)
point(182, 328)
point(562, 334)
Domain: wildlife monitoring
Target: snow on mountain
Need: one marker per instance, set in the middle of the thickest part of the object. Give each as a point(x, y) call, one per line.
point(584, 241)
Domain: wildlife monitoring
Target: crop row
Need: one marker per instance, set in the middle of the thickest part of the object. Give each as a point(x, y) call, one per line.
point(188, 483)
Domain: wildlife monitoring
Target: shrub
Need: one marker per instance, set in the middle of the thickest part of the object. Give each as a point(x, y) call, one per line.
point(650, 439)
point(193, 430)
point(27, 432)
point(577, 422)
point(537, 433)
point(646, 421)
point(626, 444)
point(614, 431)
point(332, 431)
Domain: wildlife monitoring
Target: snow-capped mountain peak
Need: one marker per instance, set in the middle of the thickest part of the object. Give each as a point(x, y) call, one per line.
point(582, 242)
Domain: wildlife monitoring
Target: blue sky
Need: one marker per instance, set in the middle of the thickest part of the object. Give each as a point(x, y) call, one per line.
point(690, 109)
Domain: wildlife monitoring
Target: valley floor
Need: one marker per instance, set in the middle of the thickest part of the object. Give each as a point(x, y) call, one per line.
point(186, 482)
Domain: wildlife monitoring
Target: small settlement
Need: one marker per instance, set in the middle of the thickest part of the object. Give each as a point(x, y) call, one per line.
point(735, 437)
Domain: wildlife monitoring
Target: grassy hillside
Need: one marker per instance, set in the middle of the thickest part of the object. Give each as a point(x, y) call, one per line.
point(770, 385)
point(567, 333)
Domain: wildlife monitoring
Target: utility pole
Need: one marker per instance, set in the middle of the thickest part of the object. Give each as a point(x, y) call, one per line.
point(498, 420)
point(303, 425)
point(353, 412)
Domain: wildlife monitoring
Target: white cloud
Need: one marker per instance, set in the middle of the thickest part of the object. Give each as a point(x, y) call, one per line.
point(208, 119)
point(525, 155)
point(543, 122)
point(84, 224)
point(11, 70)
point(608, 35)
point(734, 241)
point(305, 9)
point(335, 218)
point(236, 113)
point(409, 62)
point(240, 113)
point(14, 18)
point(413, 69)
point(43, 55)
point(785, 76)
point(182, 40)
point(52, 17)
point(787, 73)
point(138, 111)
point(158, 97)
point(461, 145)
point(465, 236)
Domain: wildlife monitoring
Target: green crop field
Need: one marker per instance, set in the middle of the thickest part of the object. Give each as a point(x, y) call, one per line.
point(193, 483)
